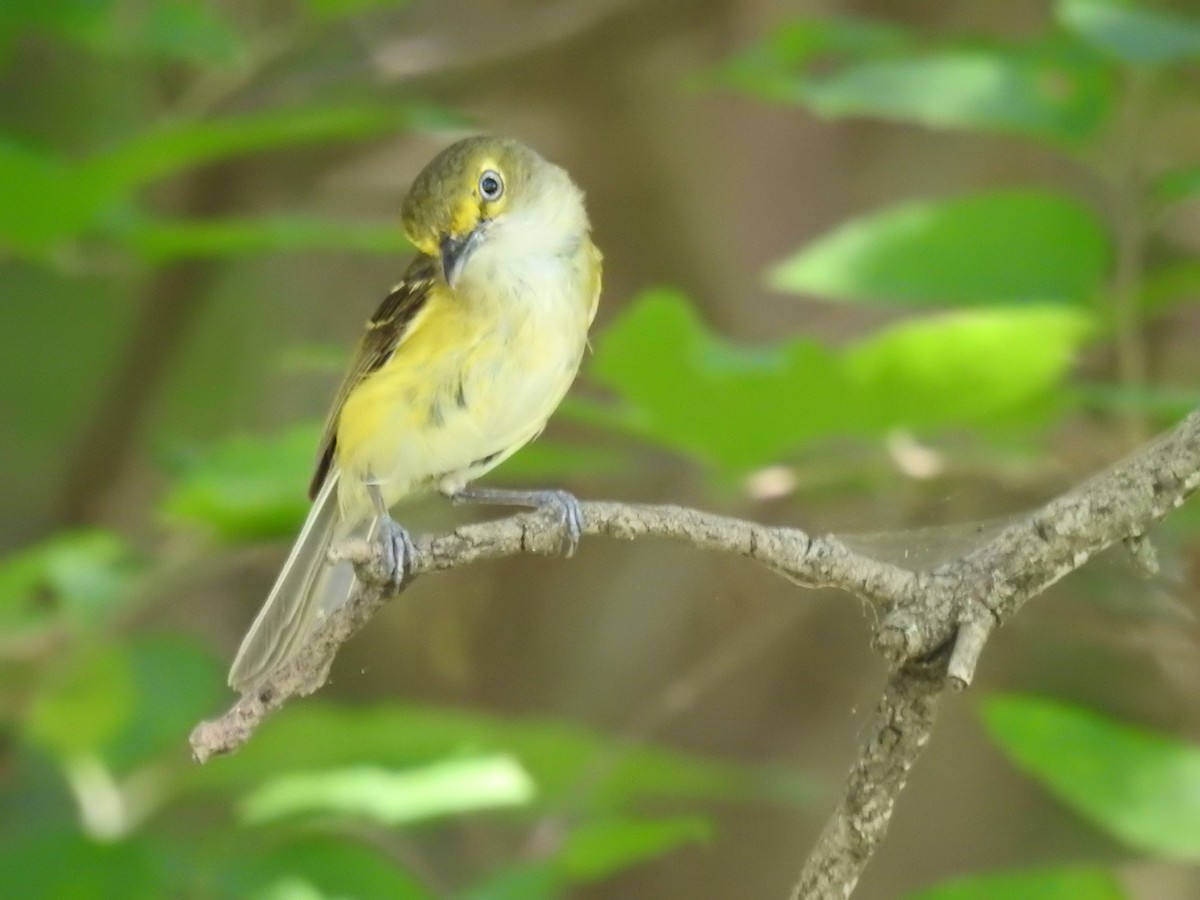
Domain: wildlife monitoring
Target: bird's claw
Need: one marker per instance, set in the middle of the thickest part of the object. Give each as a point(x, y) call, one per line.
point(568, 511)
point(397, 551)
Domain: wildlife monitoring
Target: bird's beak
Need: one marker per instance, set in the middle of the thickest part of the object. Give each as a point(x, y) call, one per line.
point(456, 251)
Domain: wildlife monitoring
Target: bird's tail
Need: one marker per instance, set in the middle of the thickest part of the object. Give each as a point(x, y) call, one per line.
point(308, 588)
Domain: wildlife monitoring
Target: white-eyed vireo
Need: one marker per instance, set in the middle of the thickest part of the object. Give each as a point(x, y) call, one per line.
point(461, 365)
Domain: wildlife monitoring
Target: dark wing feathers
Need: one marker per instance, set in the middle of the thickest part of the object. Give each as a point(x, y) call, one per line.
point(385, 330)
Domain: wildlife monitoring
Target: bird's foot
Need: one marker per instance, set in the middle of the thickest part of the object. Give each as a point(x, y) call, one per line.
point(397, 551)
point(561, 504)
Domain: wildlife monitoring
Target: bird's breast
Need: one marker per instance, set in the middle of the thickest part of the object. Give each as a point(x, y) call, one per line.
point(478, 376)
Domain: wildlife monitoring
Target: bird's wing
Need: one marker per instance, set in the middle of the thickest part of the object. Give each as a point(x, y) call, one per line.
point(386, 331)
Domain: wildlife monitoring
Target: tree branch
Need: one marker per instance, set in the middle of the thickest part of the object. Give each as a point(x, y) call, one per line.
point(808, 561)
point(932, 625)
point(901, 729)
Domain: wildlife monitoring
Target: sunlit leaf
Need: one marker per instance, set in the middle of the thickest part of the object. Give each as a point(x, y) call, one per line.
point(247, 487)
point(962, 368)
point(1142, 788)
point(689, 390)
point(313, 737)
point(1133, 32)
point(604, 846)
point(389, 797)
point(1063, 883)
point(1011, 246)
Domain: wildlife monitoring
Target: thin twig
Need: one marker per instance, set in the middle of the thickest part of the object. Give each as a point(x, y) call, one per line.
point(812, 562)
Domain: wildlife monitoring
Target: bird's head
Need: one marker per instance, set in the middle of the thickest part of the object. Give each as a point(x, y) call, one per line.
point(490, 191)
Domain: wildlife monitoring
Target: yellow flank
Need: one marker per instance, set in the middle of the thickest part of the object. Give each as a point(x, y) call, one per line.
point(476, 375)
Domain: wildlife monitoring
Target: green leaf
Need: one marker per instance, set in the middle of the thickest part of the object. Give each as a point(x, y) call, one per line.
point(326, 865)
point(43, 199)
point(1138, 786)
point(160, 241)
point(841, 68)
point(523, 881)
point(658, 353)
point(1168, 287)
point(255, 487)
point(990, 367)
point(82, 704)
point(557, 757)
point(771, 69)
point(1011, 246)
point(1132, 33)
point(1047, 96)
point(162, 31)
point(185, 31)
point(247, 487)
point(1062, 883)
point(1178, 185)
point(178, 146)
point(68, 866)
point(344, 9)
point(602, 847)
point(439, 789)
point(87, 575)
point(1161, 400)
point(174, 683)
point(968, 368)
point(547, 461)
point(596, 849)
point(62, 17)
point(49, 201)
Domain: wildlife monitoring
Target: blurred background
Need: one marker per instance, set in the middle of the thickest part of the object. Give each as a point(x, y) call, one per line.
point(868, 268)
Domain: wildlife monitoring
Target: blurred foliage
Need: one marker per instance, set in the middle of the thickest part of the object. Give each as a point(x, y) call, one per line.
point(1138, 786)
point(1011, 247)
point(937, 372)
point(1004, 290)
point(1067, 883)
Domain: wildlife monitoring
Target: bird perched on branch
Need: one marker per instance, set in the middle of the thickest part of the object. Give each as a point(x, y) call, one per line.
point(461, 365)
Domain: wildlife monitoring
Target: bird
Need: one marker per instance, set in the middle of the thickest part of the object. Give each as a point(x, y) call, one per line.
point(461, 365)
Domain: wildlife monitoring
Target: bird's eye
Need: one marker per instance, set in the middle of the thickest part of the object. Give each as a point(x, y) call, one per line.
point(491, 185)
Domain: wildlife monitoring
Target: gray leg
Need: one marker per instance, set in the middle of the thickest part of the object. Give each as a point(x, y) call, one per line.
point(394, 541)
point(561, 504)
